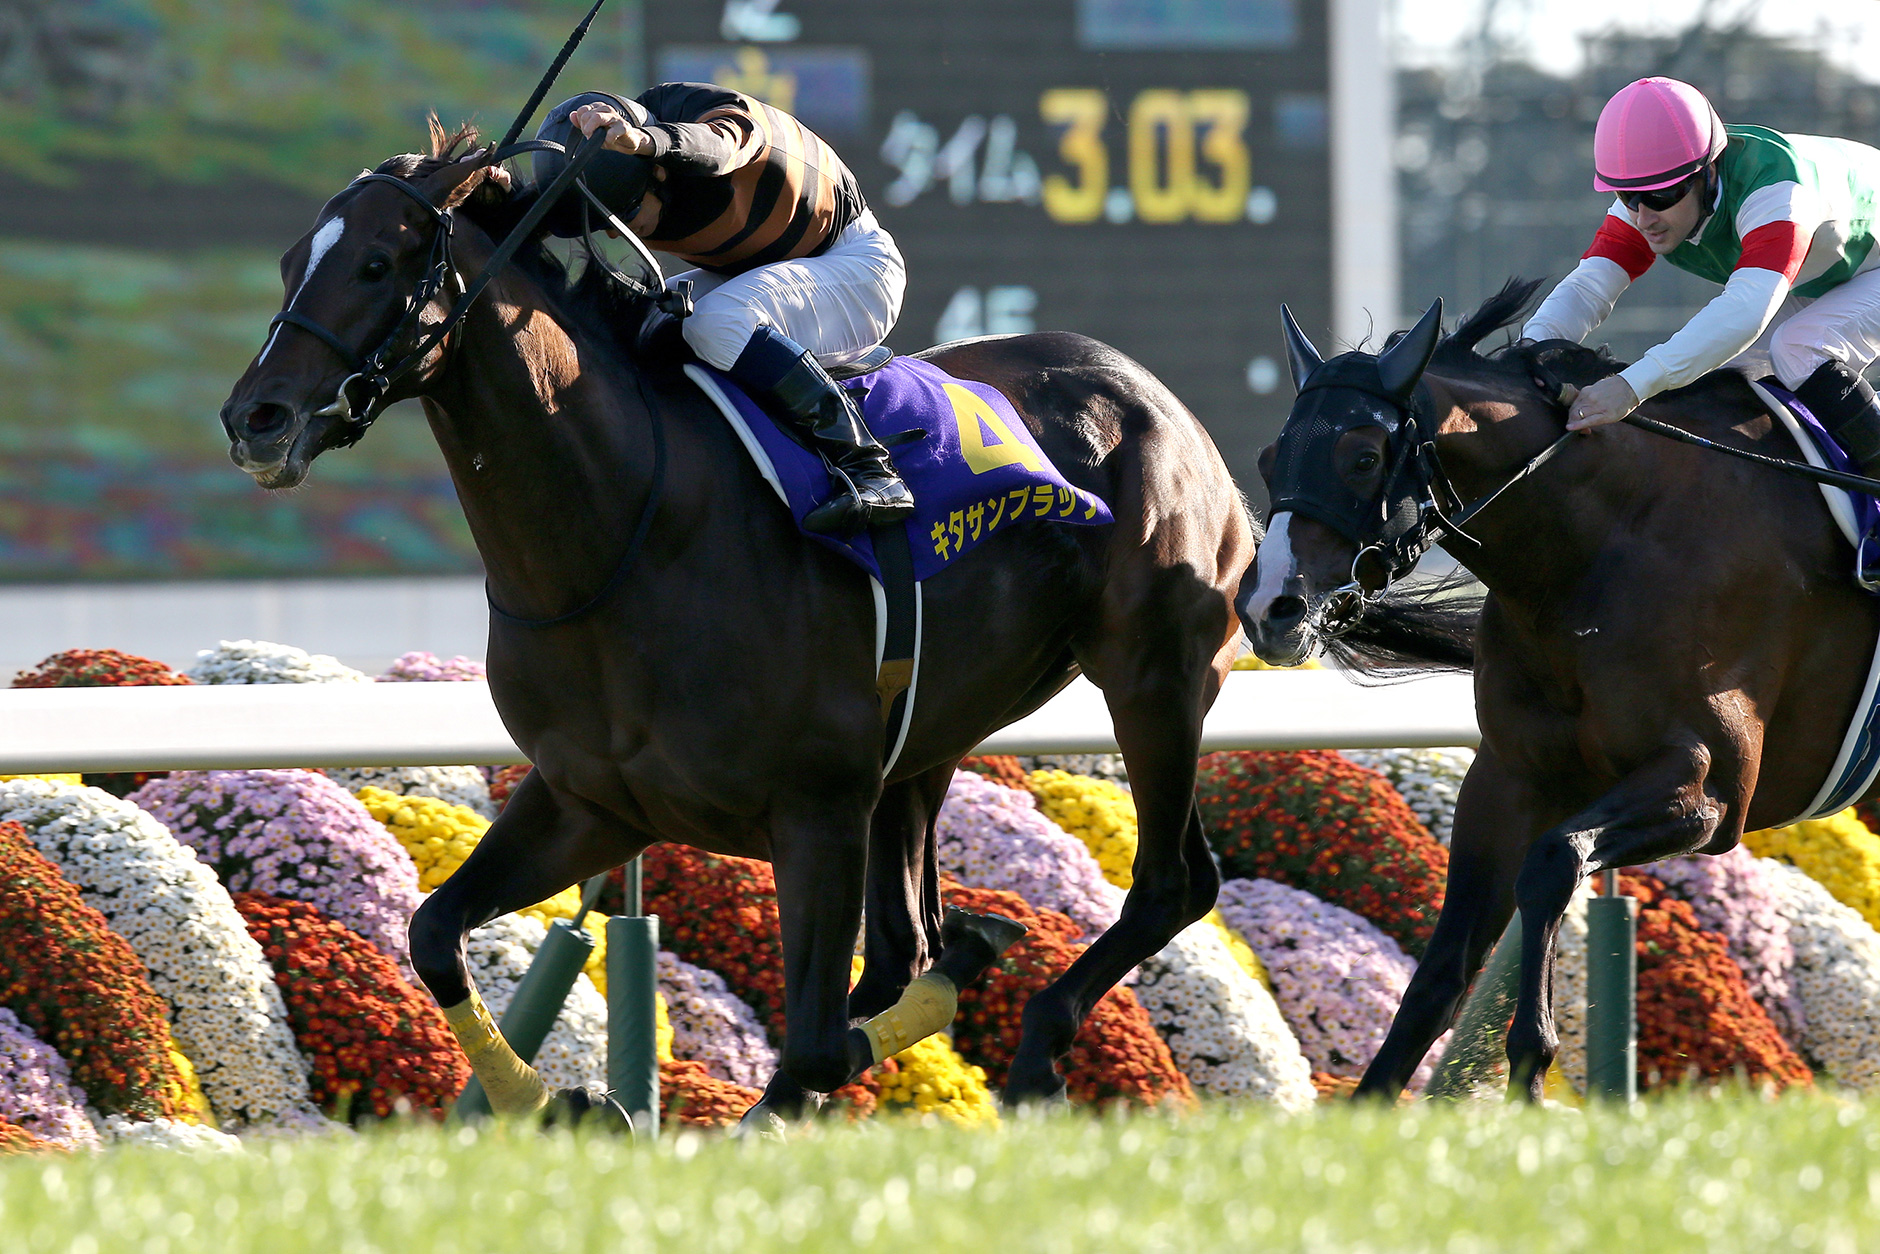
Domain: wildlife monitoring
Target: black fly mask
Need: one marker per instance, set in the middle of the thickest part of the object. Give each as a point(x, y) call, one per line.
point(1394, 528)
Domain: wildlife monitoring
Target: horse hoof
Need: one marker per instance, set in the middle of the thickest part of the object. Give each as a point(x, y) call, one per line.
point(1029, 1088)
point(762, 1122)
point(586, 1108)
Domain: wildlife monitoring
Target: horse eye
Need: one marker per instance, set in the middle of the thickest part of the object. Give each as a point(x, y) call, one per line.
point(377, 268)
point(1366, 462)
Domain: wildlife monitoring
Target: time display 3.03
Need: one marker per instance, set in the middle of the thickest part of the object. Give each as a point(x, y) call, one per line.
point(1153, 173)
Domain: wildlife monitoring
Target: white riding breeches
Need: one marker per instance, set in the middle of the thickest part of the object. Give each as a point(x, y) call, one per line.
point(838, 305)
point(1840, 325)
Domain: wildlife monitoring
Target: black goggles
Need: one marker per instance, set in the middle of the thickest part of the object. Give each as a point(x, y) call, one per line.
point(1661, 198)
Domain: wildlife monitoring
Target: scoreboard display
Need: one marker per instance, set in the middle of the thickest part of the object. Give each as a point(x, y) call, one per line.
point(1153, 173)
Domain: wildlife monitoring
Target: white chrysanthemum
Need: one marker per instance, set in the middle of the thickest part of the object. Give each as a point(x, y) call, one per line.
point(171, 1134)
point(1836, 975)
point(457, 785)
point(225, 1010)
point(263, 662)
point(1570, 989)
point(574, 1055)
point(1223, 1027)
point(1427, 779)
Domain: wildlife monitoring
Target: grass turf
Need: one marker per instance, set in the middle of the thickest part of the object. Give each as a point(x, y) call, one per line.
point(1683, 1173)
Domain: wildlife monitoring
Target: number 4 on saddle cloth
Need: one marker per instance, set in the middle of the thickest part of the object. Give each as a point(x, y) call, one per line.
point(1858, 516)
point(975, 471)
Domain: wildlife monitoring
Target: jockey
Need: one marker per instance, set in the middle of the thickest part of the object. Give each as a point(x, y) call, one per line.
point(1784, 222)
point(794, 272)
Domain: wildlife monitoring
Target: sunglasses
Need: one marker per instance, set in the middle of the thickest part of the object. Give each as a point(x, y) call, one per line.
point(1659, 199)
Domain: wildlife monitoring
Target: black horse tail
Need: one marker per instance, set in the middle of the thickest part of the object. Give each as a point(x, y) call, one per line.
point(1420, 626)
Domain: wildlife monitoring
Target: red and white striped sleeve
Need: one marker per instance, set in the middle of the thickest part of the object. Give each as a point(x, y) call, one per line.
point(1584, 299)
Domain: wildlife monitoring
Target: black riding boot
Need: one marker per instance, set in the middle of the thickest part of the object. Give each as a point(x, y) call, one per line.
point(1848, 408)
point(779, 370)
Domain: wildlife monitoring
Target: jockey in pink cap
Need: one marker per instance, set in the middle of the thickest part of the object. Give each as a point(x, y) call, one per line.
point(1784, 222)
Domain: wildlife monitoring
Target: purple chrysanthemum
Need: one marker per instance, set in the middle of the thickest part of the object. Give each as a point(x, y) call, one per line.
point(420, 667)
point(36, 1089)
point(712, 1026)
point(294, 834)
point(1734, 894)
point(991, 836)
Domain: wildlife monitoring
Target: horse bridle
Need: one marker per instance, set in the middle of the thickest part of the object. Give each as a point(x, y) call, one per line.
point(361, 395)
point(1416, 472)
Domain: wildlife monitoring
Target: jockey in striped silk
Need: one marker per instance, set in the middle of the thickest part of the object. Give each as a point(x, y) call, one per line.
point(794, 274)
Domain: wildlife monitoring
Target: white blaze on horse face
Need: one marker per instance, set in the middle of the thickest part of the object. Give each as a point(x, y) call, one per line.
point(323, 241)
point(1273, 566)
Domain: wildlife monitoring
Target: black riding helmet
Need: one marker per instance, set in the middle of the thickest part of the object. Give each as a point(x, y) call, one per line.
point(618, 180)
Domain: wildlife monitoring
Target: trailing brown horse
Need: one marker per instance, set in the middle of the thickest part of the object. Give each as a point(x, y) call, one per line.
point(1671, 648)
point(718, 689)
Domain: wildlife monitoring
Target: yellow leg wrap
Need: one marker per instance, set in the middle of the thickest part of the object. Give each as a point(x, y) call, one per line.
point(511, 1084)
point(925, 1007)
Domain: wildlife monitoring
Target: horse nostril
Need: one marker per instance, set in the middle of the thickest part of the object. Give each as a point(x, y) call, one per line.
point(262, 421)
point(1285, 613)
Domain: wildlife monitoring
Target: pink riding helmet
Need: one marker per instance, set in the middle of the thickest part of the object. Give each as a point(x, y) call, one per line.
point(1652, 134)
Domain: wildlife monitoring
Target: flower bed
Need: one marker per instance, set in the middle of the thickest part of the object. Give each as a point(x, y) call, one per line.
point(98, 668)
point(454, 785)
point(428, 668)
point(1836, 976)
point(1734, 895)
point(710, 1026)
point(1222, 1026)
point(689, 1094)
point(225, 1011)
point(930, 1079)
point(1428, 780)
point(1117, 1057)
point(1839, 852)
point(75, 985)
point(374, 1043)
point(993, 836)
point(720, 914)
point(36, 1090)
point(264, 662)
point(1001, 768)
point(1096, 811)
point(1696, 1017)
point(1338, 977)
point(435, 834)
point(503, 784)
point(1316, 822)
point(294, 834)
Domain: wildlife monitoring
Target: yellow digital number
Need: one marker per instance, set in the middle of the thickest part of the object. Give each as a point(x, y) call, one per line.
point(1220, 117)
point(1161, 155)
point(1082, 111)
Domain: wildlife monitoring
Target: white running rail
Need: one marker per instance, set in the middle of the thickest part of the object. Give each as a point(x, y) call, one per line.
point(441, 724)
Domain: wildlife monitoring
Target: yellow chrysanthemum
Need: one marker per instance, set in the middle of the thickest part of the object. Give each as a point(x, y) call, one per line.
point(73, 779)
point(565, 905)
point(662, 1028)
point(934, 1080)
point(1242, 951)
point(1838, 852)
point(191, 1106)
point(1097, 812)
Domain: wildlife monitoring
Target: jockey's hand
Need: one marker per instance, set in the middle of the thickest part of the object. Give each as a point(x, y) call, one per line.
point(621, 135)
point(1609, 400)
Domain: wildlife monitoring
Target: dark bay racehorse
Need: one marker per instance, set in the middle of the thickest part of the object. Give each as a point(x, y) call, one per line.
point(1670, 651)
point(723, 695)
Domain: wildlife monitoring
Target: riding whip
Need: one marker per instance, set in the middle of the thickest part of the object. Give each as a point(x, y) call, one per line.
point(548, 79)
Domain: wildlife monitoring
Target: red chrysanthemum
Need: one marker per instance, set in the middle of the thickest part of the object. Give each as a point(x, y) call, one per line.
point(1696, 1016)
point(373, 1040)
point(1117, 1056)
point(1320, 823)
point(689, 1094)
point(504, 783)
point(1001, 768)
point(80, 988)
point(98, 668)
point(17, 1140)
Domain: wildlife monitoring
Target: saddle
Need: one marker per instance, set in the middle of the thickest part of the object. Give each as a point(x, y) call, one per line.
point(1855, 513)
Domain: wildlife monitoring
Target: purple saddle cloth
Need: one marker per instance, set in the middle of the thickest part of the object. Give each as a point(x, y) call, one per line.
point(973, 465)
point(1866, 508)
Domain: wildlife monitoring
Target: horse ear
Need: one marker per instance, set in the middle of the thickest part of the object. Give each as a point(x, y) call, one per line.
point(1300, 355)
point(451, 185)
point(1401, 365)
